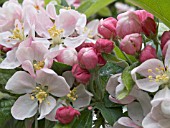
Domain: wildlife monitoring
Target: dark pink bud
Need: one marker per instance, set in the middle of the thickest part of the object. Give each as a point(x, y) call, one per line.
point(147, 53)
point(104, 45)
point(165, 37)
point(165, 48)
point(66, 114)
point(84, 45)
point(149, 27)
point(107, 27)
point(131, 43)
point(101, 60)
point(81, 75)
point(128, 23)
point(87, 58)
point(143, 15)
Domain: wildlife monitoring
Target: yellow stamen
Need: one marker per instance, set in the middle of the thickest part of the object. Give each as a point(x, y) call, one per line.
point(149, 70)
point(54, 32)
point(39, 65)
point(72, 95)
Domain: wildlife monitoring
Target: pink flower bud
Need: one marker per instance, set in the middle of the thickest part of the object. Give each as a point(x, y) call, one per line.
point(81, 75)
point(143, 15)
point(107, 27)
point(165, 37)
point(131, 43)
point(147, 53)
point(66, 114)
point(84, 45)
point(101, 60)
point(67, 56)
point(128, 23)
point(87, 58)
point(165, 48)
point(104, 45)
point(149, 27)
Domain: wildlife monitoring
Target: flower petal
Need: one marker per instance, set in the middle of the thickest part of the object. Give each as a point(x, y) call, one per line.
point(10, 62)
point(125, 121)
point(69, 78)
point(21, 82)
point(27, 66)
point(24, 107)
point(57, 85)
point(167, 57)
point(84, 97)
point(126, 100)
point(46, 107)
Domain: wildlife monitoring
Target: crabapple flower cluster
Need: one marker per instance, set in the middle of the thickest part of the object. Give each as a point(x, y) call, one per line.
point(65, 66)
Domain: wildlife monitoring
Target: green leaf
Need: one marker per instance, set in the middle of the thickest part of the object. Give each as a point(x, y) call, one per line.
point(119, 53)
point(5, 74)
point(112, 58)
point(106, 71)
point(59, 68)
point(46, 1)
point(90, 7)
point(111, 115)
point(84, 121)
point(59, 125)
point(105, 12)
point(5, 111)
point(160, 8)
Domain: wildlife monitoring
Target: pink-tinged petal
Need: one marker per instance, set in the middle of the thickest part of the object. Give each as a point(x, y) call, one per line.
point(46, 107)
point(24, 107)
point(93, 27)
point(161, 95)
point(119, 89)
point(26, 43)
point(135, 112)
point(52, 114)
point(149, 64)
point(74, 42)
point(147, 85)
point(21, 82)
point(69, 78)
point(44, 41)
point(167, 57)
point(30, 18)
point(157, 113)
point(27, 66)
point(143, 98)
point(57, 85)
point(10, 62)
point(117, 125)
point(125, 121)
point(68, 20)
point(112, 84)
point(149, 122)
point(126, 100)
point(6, 41)
point(25, 53)
point(81, 23)
point(164, 123)
point(42, 27)
point(84, 97)
point(50, 9)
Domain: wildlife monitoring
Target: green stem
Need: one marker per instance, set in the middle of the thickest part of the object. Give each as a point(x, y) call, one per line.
point(127, 58)
point(156, 42)
point(36, 121)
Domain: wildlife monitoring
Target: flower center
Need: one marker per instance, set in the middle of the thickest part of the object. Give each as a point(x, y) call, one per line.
point(162, 75)
point(39, 65)
point(72, 95)
point(54, 32)
point(39, 93)
point(18, 34)
point(89, 32)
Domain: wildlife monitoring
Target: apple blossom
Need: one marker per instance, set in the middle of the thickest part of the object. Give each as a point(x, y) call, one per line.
point(147, 53)
point(131, 44)
point(128, 23)
point(38, 92)
point(87, 58)
point(107, 27)
point(164, 38)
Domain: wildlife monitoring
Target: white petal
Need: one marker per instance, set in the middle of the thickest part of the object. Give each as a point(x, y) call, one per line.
point(135, 112)
point(50, 9)
point(84, 97)
point(57, 85)
point(167, 57)
point(10, 62)
point(24, 107)
point(93, 27)
point(126, 100)
point(21, 82)
point(27, 66)
point(46, 107)
point(149, 122)
point(74, 42)
point(69, 78)
point(147, 85)
point(112, 83)
point(161, 95)
point(125, 121)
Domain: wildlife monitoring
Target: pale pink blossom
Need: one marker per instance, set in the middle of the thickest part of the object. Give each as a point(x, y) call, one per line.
point(37, 92)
